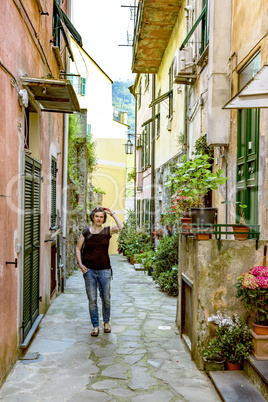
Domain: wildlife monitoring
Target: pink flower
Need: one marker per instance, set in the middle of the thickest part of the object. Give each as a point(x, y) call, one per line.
point(262, 282)
point(262, 271)
point(249, 282)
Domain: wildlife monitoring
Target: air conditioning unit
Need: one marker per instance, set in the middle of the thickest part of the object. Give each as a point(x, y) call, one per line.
point(183, 66)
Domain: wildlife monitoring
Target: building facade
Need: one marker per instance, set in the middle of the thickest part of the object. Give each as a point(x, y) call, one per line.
point(33, 104)
point(208, 68)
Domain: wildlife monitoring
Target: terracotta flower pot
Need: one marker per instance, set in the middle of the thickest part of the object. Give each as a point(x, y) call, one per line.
point(260, 329)
point(233, 366)
point(240, 228)
point(186, 227)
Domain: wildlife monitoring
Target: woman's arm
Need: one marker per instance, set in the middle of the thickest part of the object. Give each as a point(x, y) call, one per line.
point(78, 253)
point(119, 225)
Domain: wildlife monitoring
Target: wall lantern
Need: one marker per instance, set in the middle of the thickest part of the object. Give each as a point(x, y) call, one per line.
point(129, 147)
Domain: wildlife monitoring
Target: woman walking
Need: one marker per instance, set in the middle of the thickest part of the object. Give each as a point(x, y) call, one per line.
point(94, 262)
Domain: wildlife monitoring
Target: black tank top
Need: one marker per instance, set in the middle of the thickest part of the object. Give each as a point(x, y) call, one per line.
point(95, 251)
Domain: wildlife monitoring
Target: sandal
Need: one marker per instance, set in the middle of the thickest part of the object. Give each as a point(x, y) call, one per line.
point(95, 331)
point(107, 328)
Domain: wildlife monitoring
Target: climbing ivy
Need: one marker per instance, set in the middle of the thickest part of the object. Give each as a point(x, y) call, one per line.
point(75, 142)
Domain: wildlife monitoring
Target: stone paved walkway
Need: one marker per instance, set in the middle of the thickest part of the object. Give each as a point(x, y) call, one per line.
point(143, 359)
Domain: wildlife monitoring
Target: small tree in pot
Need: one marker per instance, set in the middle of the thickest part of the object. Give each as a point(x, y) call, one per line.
point(194, 179)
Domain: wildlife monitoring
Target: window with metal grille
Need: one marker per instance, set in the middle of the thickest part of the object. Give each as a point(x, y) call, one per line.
point(146, 147)
point(54, 171)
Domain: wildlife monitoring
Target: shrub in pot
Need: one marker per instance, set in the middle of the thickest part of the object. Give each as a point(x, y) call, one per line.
point(194, 179)
point(252, 289)
point(232, 342)
point(241, 227)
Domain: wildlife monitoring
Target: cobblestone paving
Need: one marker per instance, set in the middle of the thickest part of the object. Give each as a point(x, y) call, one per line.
point(142, 359)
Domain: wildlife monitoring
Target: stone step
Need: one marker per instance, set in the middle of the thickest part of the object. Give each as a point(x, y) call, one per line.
point(235, 386)
point(257, 371)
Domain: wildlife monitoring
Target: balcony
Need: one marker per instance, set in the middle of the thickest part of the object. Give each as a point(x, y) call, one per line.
point(154, 24)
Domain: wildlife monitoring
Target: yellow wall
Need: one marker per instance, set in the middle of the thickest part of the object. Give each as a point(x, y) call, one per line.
point(111, 177)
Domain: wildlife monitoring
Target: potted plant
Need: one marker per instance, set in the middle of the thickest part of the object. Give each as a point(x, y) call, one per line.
point(232, 342)
point(195, 179)
point(158, 234)
point(241, 227)
point(168, 219)
point(252, 289)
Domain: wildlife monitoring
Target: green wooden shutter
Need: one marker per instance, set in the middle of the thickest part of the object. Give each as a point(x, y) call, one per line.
point(83, 86)
point(71, 78)
point(138, 212)
point(53, 191)
point(31, 243)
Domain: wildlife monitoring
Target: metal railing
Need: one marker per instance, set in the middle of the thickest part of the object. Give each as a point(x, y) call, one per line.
point(216, 231)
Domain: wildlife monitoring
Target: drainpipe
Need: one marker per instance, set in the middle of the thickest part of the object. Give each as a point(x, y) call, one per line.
point(153, 158)
point(64, 179)
point(185, 122)
point(64, 196)
point(132, 91)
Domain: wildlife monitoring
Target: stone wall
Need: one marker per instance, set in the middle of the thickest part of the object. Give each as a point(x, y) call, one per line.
point(212, 274)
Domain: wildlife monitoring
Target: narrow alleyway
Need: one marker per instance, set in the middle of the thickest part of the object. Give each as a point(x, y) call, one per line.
point(143, 359)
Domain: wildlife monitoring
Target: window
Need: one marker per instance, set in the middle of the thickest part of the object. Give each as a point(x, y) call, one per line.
point(250, 69)
point(204, 27)
point(138, 213)
point(157, 116)
point(146, 147)
point(54, 170)
point(204, 19)
point(248, 148)
point(79, 84)
point(170, 79)
point(139, 95)
point(147, 80)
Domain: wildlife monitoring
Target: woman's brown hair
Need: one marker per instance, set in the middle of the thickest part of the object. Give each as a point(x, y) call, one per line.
point(98, 209)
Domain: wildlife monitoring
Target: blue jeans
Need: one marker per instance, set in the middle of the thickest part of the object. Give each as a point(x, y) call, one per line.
point(101, 280)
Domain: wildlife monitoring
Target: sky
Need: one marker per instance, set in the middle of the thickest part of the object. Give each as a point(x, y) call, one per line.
point(103, 26)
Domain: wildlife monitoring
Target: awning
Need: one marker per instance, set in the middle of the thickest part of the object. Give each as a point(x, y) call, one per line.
point(160, 98)
point(52, 95)
point(254, 94)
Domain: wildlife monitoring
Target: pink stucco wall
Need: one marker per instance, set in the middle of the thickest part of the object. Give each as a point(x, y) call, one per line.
point(20, 53)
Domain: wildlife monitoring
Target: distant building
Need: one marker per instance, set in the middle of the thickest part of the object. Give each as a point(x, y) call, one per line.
point(94, 90)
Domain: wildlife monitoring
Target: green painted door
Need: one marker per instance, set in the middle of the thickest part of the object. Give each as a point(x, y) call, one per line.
point(31, 243)
point(248, 148)
point(247, 162)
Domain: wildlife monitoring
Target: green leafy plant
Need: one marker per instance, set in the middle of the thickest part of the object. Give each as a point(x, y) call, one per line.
point(194, 178)
point(158, 234)
point(232, 341)
point(241, 208)
point(168, 281)
point(132, 241)
point(166, 255)
point(202, 148)
point(169, 218)
point(252, 289)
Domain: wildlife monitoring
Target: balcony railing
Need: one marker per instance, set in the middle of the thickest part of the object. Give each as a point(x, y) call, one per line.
point(216, 231)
